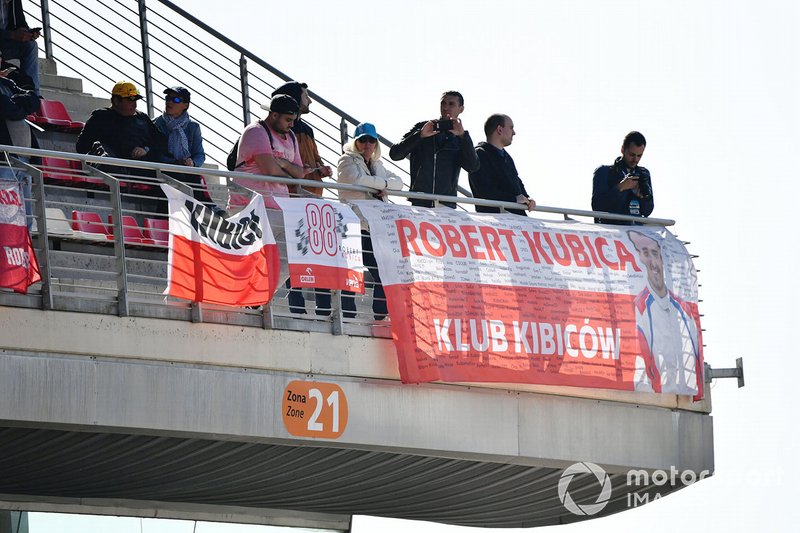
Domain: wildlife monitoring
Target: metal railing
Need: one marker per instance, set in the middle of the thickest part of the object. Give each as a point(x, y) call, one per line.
point(112, 269)
point(156, 44)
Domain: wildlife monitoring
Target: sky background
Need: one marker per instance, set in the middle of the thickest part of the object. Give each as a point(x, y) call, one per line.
point(713, 85)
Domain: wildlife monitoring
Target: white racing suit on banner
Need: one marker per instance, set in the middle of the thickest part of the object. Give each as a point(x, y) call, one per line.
point(669, 345)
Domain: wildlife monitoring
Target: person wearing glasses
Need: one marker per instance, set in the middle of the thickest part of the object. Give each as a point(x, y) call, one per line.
point(122, 131)
point(184, 139)
point(361, 165)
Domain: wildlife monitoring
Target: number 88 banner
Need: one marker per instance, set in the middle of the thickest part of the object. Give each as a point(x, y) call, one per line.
point(323, 244)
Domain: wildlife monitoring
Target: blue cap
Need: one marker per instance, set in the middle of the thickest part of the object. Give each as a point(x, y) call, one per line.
point(365, 129)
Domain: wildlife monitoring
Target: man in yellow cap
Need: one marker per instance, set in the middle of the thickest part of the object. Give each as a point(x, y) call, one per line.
point(121, 130)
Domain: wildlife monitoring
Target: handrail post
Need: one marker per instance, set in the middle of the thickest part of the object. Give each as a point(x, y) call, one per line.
point(119, 242)
point(337, 325)
point(119, 250)
point(343, 132)
point(48, 45)
point(245, 90)
point(148, 81)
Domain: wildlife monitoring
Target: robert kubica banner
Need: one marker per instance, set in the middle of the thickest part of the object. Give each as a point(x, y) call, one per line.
point(323, 244)
point(505, 298)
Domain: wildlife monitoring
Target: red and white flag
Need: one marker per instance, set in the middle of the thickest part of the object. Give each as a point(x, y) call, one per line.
point(505, 298)
point(18, 266)
point(323, 244)
point(229, 261)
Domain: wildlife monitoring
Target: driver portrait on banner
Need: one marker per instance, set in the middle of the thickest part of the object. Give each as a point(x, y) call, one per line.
point(669, 350)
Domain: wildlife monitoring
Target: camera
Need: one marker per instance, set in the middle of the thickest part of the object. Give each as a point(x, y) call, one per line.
point(443, 124)
point(645, 186)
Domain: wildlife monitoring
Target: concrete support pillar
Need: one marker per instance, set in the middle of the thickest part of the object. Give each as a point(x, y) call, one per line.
point(13, 522)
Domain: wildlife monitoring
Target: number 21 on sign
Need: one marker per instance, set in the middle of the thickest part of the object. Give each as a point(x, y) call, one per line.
point(313, 409)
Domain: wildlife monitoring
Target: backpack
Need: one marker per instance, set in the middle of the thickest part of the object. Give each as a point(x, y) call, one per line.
point(230, 162)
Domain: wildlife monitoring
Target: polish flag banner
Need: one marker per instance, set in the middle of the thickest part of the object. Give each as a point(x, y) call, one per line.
point(323, 244)
point(223, 260)
point(18, 266)
point(512, 299)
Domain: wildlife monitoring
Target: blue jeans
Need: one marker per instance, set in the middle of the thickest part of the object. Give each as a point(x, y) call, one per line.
point(28, 54)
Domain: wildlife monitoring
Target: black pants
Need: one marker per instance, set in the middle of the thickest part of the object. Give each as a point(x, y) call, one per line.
point(378, 296)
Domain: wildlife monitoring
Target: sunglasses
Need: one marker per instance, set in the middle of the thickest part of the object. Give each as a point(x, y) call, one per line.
point(368, 140)
point(175, 99)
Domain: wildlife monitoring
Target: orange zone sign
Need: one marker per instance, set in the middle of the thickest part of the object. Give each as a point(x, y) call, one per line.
point(313, 409)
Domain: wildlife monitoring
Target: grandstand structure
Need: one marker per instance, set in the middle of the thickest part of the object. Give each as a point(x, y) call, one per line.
point(117, 400)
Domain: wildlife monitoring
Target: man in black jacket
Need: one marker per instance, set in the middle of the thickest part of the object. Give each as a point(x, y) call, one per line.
point(439, 149)
point(497, 177)
point(122, 131)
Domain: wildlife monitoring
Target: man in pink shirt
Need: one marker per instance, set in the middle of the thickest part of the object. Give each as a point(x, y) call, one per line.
point(269, 148)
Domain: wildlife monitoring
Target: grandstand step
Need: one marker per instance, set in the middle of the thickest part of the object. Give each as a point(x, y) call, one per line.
point(47, 66)
point(61, 83)
point(79, 105)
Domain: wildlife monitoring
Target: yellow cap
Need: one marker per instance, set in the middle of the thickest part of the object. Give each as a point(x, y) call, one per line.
point(125, 89)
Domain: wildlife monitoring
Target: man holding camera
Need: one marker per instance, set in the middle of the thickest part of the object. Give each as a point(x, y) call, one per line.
point(439, 149)
point(624, 188)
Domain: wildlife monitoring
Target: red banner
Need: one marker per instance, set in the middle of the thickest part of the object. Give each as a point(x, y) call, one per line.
point(230, 261)
point(18, 266)
point(504, 298)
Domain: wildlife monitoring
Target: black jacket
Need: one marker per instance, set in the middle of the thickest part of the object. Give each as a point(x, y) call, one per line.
point(15, 104)
point(496, 179)
point(16, 19)
point(606, 197)
point(119, 135)
point(450, 153)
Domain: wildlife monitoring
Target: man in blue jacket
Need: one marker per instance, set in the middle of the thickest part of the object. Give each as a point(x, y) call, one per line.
point(624, 188)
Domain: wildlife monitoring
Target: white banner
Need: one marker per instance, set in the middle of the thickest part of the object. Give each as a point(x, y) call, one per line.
point(323, 244)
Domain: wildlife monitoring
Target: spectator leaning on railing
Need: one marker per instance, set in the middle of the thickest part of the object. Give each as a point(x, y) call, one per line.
point(269, 148)
point(361, 165)
point(497, 177)
point(316, 170)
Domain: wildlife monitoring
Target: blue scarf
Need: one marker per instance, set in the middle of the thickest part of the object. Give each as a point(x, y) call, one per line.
point(177, 142)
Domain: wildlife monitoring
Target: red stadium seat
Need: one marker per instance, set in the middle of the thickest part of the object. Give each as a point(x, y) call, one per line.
point(57, 170)
point(52, 115)
point(88, 225)
point(157, 229)
point(131, 232)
